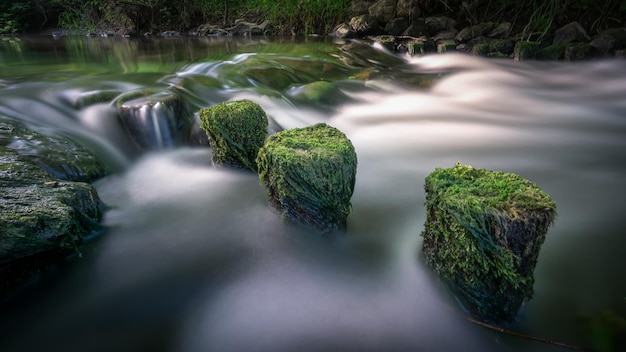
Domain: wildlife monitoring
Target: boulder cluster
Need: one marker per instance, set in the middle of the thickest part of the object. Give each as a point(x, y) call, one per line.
point(399, 26)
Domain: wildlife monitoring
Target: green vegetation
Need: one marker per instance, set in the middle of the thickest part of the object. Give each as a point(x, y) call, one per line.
point(531, 18)
point(482, 236)
point(310, 174)
point(312, 16)
point(236, 131)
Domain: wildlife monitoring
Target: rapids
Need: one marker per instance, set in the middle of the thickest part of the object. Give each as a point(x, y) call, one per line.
point(193, 259)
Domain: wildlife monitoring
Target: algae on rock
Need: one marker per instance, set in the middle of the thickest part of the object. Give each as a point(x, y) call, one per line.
point(482, 236)
point(44, 214)
point(310, 175)
point(236, 130)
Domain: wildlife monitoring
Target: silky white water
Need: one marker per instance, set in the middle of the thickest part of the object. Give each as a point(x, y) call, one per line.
point(193, 258)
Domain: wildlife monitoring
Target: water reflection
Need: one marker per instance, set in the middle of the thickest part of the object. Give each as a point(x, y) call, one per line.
point(194, 259)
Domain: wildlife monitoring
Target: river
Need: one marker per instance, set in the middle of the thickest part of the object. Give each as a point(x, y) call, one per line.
point(193, 259)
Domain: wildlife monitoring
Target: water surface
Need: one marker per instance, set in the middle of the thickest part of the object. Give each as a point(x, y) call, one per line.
point(193, 258)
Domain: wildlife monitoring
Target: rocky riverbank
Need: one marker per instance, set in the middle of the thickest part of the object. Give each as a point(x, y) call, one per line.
point(399, 26)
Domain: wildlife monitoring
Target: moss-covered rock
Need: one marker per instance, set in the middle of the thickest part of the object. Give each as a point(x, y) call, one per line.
point(525, 50)
point(552, 52)
point(386, 41)
point(310, 174)
point(43, 215)
point(236, 130)
point(61, 157)
point(482, 236)
point(445, 46)
point(319, 93)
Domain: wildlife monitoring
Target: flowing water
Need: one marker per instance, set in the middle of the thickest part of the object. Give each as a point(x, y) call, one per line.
point(193, 259)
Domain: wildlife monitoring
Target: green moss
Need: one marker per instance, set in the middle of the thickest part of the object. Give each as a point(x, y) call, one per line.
point(481, 50)
point(577, 51)
point(310, 174)
point(446, 46)
point(236, 130)
point(386, 41)
point(482, 236)
point(552, 52)
point(525, 50)
point(415, 47)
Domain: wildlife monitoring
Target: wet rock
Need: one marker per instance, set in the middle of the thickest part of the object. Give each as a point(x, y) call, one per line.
point(154, 119)
point(248, 28)
point(525, 50)
point(416, 47)
point(310, 174)
point(365, 25)
point(397, 26)
point(482, 237)
point(319, 93)
point(236, 130)
point(487, 47)
point(383, 10)
point(59, 156)
point(552, 52)
point(474, 31)
point(445, 35)
point(569, 33)
point(43, 218)
point(386, 41)
point(609, 41)
point(408, 8)
point(446, 46)
point(343, 30)
point(577, 51)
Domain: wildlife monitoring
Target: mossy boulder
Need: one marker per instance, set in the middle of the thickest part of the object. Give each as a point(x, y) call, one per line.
point(236, 131)
point(59, 156)
point(445, 46)
point(319, 93)
point(310, 174)
point(44, 214)
point(525, 50)
point(482, 237)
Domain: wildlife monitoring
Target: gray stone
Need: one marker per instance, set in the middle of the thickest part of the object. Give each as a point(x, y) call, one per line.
point(383, 10)
point(408, 8)
point(397, 26)
point(569, 33)
point(474, 31)
point(415, 29)
point(154, 119)
point(501, 31)
point(445, 35)
point(609, 41)
point(361, 7)
point(343, 30)
point(60, 157)
point(436, 24)
point(365, 25)
point(42, 216)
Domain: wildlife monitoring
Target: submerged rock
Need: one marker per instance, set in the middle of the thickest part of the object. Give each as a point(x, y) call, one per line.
point(319, 93)
point(310, 174)
point(44, 215)
point(154, 119)
point(61, 157)
point(482, 237)
point(236, 130)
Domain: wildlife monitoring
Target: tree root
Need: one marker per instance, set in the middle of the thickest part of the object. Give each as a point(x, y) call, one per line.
point(528, 337)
